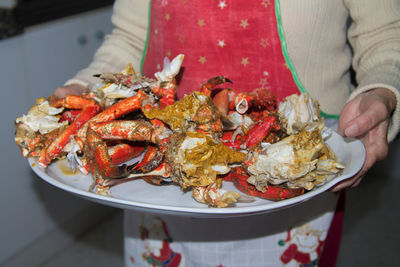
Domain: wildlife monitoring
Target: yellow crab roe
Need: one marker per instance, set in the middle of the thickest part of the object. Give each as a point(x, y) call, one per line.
point(203, 157)
point(195, 107)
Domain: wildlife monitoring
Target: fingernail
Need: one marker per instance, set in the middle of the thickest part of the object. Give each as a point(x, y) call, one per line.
point(352, 130)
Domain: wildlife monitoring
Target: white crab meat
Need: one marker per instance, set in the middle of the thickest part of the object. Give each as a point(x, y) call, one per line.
point(214, 196)
point(116, 91)
point(170, 69)
point(237, 120)
point(278, 164)
point(302, 160)
point(297, 112)
point(42, 117)
point(74, 161)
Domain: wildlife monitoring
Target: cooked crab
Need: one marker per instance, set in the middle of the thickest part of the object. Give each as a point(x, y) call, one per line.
point(196, 159)
point(38, 127)
point(301, 160)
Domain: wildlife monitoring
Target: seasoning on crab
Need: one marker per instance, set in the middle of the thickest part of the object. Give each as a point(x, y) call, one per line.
point(297, 161)
point(194, 112)
point(196, 159)
point(301, 160)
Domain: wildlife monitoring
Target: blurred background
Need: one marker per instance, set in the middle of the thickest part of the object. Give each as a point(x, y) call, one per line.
point(42, 44)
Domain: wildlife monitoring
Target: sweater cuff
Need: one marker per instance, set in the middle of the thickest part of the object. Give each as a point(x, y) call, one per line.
point(76, 81)
point(383, 77)
point(84, 77)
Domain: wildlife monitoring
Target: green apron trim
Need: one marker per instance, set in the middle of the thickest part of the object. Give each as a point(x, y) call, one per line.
point(147, 39)
point(329, 116)
point(287, 58)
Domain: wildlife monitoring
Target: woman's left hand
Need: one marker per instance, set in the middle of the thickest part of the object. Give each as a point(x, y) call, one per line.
point(366, 117)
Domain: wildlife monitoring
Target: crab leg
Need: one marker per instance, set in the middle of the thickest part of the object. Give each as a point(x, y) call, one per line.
point(151, 179)
point(98, 159)
point(124, 130)
point(151, 160)
point(121, 153)
point(118, 130)
point(152, 157)
point(70, 115)
point(90, 108)
point(260, 99)
point(167, 92)
point(231, 142)
point(259, 132)
point(73, 102)
point(115, 111)
point(239, 178)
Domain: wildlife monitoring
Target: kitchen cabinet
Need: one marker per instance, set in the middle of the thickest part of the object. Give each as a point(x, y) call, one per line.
point(35, 215)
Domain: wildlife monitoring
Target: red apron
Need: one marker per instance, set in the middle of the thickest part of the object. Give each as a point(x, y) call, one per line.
point(237, 39)
point(241, 39)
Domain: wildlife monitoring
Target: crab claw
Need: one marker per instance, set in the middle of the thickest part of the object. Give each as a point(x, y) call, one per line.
point(100, 162)
point(90, 109)
point(151, 160)
point(259, 132)
point(151, 179)
point(240, 179)
point(206, 88)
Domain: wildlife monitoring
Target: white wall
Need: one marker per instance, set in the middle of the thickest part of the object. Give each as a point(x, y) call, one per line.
point(32, 65)
point(7, 3)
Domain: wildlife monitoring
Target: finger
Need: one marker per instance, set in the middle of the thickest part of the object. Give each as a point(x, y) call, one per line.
point(73, 89)
point(366, 121)
point(375, 143)
point(358, 181)
point(350, 111)
point(363, 123)
point(351, 182)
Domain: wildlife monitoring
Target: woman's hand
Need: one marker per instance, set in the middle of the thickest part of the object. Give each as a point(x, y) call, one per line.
point(367, 117)
point(72, 89)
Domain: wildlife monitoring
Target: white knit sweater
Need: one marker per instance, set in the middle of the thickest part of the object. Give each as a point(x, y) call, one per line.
point(324, 39)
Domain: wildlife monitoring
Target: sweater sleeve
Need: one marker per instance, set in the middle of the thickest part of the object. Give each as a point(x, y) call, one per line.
point(124, 45)
point(374, 34)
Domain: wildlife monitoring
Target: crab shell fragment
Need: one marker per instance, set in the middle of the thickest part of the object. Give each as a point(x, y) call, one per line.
point(196, 159)
point(301, 160)
point(38, 127)
point(297, 112)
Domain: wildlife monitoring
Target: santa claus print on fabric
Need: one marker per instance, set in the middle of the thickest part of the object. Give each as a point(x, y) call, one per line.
point(303, 246)
point(156, 244)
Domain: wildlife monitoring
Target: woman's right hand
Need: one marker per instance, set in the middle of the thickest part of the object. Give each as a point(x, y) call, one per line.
point(71, 89)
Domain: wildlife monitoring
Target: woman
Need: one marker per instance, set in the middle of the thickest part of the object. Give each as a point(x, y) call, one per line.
point(284, 46)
